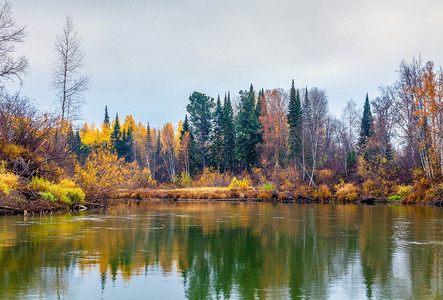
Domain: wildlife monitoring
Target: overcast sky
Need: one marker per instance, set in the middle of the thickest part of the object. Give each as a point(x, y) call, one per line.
point(145, 57)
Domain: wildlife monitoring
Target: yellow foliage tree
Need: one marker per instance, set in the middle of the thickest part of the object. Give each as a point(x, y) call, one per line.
point(103, 171)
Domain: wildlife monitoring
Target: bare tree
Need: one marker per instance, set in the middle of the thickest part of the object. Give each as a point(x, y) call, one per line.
point(315, 110)
point(67, 81)
point(10, 65)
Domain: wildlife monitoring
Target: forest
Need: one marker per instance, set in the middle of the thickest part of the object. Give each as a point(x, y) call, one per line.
point(274, 141)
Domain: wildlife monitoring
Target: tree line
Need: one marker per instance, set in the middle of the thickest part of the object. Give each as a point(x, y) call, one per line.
point(286, 137)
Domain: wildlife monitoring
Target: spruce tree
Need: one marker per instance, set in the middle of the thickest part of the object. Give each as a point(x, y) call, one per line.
point(366, 124)
point(217, 146)
point(117, 138)
point(248, 129)
point(106, 120)
point(127, 150)
point(200, 113)
point(295, 121)
point(228, 134)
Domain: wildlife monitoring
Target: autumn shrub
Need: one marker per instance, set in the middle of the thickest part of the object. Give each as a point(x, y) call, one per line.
point(144, 179)
point(257, 176)
point(323, 192)
point(346, 192)
point(240, 184)
point(302, 190)
point(3, 165)
point(435, 193)
point(286, 179)
point(370, 187)
point(103, 171)
point(264, 195)
point(8, 182)
point(183, 181)
point(48, 197)
point(65, 192)
point(267, 186)
point(211, 178)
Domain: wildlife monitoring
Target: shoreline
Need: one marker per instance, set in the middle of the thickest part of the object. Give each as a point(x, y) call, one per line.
point(14, 207)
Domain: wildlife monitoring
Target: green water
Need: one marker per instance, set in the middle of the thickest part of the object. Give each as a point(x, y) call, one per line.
point(225, 250)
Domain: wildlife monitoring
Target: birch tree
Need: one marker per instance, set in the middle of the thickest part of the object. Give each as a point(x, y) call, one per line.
point(67, 81)
point(11, 66)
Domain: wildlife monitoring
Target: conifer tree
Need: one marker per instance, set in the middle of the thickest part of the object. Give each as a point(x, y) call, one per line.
point(127, 144)
point(217, 146)
point(106, 120)
point(295, 121)
point(228, 134)
point(248, 129)
point(117, 137)
point(366, 124)
point(200, 113)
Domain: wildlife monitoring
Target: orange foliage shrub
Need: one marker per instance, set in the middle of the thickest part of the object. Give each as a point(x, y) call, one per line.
point(323, 192)
point(346, 192)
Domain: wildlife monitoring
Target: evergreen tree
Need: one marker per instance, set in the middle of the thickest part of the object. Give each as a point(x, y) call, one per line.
point(366, 124)
point(117, 137)
point(200, 113)
point(217, 146)
point(228, 134)
point(106, 120)
point(295, 121)
point(248, 125)
point(389, 154)
point(127, 148)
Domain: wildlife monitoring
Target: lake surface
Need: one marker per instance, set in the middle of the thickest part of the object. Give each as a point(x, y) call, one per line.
point(225, 250)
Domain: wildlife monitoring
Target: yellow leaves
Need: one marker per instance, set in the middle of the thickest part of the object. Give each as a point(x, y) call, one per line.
point(346, 192)
point(93, 136)
point(103, 171)
point(8, 182)
point(168, 138)
point(12, 151)
point(128, 124)
point(65, 192)
point(240, 184)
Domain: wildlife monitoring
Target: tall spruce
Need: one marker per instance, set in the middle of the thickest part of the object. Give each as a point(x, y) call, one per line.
point(106, 119)
point(200, 114)
point(248, 132)
point(217, 146)
point(117, 137)
point(295, 121)
point(228, 135)
point(366, 124)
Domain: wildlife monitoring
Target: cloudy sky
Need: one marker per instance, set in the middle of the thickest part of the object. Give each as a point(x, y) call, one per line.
point(145, 57)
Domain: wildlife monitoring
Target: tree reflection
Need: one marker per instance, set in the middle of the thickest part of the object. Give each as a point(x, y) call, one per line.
point(224, 250)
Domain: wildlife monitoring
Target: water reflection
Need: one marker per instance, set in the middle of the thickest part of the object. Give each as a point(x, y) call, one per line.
point(225, 250)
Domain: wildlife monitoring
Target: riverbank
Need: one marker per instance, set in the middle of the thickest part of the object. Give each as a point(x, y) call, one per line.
point(24, 202)
point(258, 195)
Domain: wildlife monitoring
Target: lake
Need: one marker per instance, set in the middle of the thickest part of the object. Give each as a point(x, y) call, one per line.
point(225, 250)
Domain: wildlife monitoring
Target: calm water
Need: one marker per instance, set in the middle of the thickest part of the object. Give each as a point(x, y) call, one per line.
point(225, 250)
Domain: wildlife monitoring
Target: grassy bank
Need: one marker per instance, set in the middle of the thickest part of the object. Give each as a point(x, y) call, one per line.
point(345, 193)
point(20, 195)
